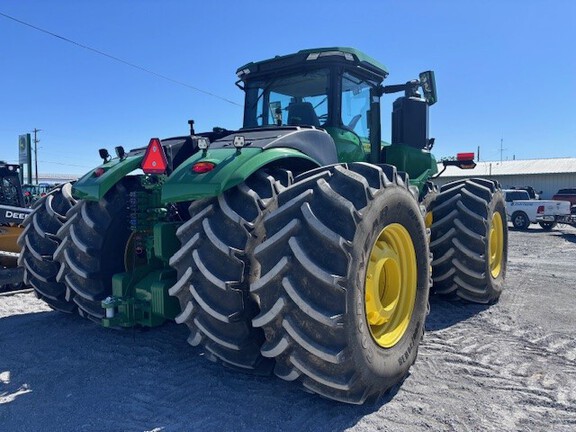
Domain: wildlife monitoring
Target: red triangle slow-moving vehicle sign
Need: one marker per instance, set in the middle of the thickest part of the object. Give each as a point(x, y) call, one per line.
point(154, 161)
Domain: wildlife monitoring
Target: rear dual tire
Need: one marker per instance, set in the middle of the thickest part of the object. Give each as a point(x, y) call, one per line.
point(38, 242)
point(92, 246)
point(213, 268)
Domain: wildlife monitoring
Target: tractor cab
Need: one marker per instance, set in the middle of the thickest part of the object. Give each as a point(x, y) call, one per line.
point(339, 90)
point(328, 88)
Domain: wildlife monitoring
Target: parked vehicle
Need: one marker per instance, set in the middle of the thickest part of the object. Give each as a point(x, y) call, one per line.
point(33, 192)
point(568, 194)
point(531, 191)
point(522, 211)
point(12, 215)
point(298, 245)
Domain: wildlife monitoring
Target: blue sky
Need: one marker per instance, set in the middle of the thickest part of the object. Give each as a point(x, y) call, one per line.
point(504, 69)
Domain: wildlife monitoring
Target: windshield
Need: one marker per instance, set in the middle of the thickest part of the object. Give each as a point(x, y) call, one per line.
point(9, 191)
point(296, 100)
point(517, 196)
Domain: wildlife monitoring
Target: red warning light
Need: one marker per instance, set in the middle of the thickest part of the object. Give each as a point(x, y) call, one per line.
point(154, 161)
point(203, 167)
point(466, 160)
point(465, 156)
point(99, 171)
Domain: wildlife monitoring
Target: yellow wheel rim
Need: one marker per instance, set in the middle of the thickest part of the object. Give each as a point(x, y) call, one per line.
point(496, 245)
point(428, 219)
point(391, 279)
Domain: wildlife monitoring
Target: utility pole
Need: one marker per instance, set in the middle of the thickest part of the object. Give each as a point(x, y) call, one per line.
point(36, 141)
point(501, 149)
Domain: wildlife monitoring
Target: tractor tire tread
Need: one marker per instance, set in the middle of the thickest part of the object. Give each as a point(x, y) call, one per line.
point(459, 240)
point(38, 242)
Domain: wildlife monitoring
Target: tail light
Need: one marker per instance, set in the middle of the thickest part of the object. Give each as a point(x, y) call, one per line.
point(466, 160)
point(540, 209)
point(99, 171)
point(465, 156)
point(463, 161)
point(203, 167)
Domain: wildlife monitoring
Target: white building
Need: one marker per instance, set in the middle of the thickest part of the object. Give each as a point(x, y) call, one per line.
point(546, 175)
point(53, 178)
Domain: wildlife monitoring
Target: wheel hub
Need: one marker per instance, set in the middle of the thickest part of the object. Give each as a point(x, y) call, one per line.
point(391, 279)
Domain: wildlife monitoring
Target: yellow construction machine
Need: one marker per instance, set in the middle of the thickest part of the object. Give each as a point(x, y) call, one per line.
point(12, 214)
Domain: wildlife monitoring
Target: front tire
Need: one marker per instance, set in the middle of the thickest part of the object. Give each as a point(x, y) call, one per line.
point(469, 241)
point(344, 280)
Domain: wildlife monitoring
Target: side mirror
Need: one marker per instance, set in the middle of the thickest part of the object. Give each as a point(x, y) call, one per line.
point(428, 84)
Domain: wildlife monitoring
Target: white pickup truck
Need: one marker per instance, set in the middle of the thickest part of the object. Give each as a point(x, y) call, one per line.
point(522, 211)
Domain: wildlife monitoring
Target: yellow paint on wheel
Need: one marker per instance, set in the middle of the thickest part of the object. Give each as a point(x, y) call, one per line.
point(496, 245)
point(391, 279)
point(428, 219)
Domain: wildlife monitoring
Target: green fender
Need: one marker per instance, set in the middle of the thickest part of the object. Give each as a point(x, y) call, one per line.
point(92, 187)
point(232, 167)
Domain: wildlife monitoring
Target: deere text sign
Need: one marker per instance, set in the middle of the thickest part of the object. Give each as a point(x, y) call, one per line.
point(24, 149)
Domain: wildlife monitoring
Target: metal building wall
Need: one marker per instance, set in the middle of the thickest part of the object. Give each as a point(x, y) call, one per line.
point(547, 183)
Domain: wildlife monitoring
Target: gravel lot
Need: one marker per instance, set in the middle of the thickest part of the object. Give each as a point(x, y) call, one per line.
point(508, 367)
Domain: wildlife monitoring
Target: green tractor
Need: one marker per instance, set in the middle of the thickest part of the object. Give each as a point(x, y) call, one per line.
point(300, 245)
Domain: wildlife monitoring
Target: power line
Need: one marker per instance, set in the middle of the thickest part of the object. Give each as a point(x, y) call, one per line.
point(132, 65)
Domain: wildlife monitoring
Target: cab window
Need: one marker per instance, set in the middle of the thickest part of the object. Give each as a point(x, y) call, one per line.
point(355, 104)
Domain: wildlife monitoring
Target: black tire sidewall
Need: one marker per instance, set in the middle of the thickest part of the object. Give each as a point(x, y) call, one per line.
point(382, 366)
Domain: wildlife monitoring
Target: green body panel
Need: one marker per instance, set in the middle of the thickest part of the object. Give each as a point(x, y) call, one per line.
point(348, 145)
point(92, 188)
point(166, 243)
point(232, 168)
point(418, 163)
point(140, 297)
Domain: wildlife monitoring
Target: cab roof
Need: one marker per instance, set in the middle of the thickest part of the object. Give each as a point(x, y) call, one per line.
point(345, 56)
